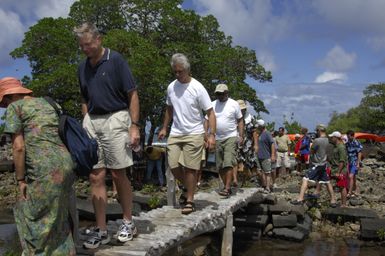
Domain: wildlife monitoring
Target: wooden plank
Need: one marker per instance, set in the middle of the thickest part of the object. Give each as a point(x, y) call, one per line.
point(165, 228)
point(227, 240)
point(171, 185)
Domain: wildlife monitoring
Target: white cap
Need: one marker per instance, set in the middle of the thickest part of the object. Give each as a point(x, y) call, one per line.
point(297, 135)
point(336, 134)
point(260, 122)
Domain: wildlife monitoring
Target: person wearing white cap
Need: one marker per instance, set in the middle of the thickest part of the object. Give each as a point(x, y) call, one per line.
point(229, 132)
point(266, 154)
point(186, 100)
point(338, 164)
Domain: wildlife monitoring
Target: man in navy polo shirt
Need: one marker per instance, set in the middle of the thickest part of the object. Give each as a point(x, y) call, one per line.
point(110, 106)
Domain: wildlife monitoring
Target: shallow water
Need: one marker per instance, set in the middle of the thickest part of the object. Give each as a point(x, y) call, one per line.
point(321, 247)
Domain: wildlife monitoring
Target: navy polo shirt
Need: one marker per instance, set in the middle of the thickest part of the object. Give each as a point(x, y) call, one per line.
point(105, 87)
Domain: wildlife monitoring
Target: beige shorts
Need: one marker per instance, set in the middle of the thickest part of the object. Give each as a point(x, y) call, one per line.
point(283, 160)
point(226, 153)
point(186, 150)
point(111, 133)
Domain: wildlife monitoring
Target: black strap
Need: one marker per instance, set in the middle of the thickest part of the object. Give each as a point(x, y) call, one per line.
point(62, 118)
point(54, 105)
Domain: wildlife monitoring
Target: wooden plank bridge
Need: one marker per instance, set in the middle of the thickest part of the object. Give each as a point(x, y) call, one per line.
point(164, 228)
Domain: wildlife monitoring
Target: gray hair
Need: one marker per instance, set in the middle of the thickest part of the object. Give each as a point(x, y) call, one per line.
point(86, 28)
point(179, 58)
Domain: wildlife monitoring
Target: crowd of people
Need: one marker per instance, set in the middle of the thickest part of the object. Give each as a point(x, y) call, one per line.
point(110, 108)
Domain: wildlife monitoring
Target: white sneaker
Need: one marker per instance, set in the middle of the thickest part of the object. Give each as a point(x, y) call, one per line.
point(97, 237)
point(275, 185)
point(126, 231)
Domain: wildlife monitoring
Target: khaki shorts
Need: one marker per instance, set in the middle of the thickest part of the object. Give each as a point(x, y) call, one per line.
point(282, 160)
point(111, 133)
point(186, 150)
point(226, 153)
point(265, 165)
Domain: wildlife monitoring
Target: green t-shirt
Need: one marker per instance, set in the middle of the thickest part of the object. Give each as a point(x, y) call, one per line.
point(339, 155)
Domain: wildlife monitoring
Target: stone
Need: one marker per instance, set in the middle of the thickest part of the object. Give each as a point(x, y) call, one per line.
point(259, 221)
point(257, 199)
point(284, 221)
point(381, 199)
point(269, 227)
point(342, 215)
point(372, 229)
point(270, 199)
point(284, 208)
point(305, 226)
point(289, 234)
point(294, 189)
point(354, 227)
point(257, 209)
point(356, 202)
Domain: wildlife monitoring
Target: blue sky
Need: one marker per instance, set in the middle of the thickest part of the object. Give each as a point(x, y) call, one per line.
point(322, 53)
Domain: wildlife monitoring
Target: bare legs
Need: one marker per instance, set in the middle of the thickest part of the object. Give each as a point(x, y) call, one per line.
point(188, 178)
point(227, 175)
point(99, 194)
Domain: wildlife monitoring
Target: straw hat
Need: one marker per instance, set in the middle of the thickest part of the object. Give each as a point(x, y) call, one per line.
point(11, 85)
point(242, 104)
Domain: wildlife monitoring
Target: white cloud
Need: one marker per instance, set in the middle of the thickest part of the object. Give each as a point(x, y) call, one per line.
point(250, 23)
point(12, 27)
point(30, 11)
point(338, 60)
point(331, 77)
point(311, 103)
point(17, 16)
point(266, 59)
point(352, 16)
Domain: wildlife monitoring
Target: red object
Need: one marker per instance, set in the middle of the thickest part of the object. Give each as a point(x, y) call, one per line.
point(297, 147)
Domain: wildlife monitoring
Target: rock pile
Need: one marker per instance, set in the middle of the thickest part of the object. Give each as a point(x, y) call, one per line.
point(267, 216)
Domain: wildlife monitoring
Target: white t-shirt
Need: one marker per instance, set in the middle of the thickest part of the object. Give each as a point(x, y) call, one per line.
point(188, 100)
point(227, 114)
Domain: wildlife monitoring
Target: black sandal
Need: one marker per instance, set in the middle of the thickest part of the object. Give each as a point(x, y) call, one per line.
point(225, 193)
point(188, 208)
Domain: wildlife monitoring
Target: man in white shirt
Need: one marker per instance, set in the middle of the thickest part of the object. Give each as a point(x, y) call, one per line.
point(230, 128)
point(186, 98)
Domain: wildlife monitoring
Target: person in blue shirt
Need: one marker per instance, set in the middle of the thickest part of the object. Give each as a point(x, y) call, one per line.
point(110, 106)
point(354, 148)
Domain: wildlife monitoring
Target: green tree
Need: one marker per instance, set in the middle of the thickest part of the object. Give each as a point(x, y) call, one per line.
point(292, 126)
point(147, 33)
point(345, 121)
point(53, 54)
point(372, 108)
point(368, 116)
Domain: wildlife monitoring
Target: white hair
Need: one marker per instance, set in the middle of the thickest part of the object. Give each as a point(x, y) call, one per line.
point(86, 28)
point(179, 58)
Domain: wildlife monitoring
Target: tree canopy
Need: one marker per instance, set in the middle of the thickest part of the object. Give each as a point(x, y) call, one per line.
point(368, 116)
point(146, 33)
